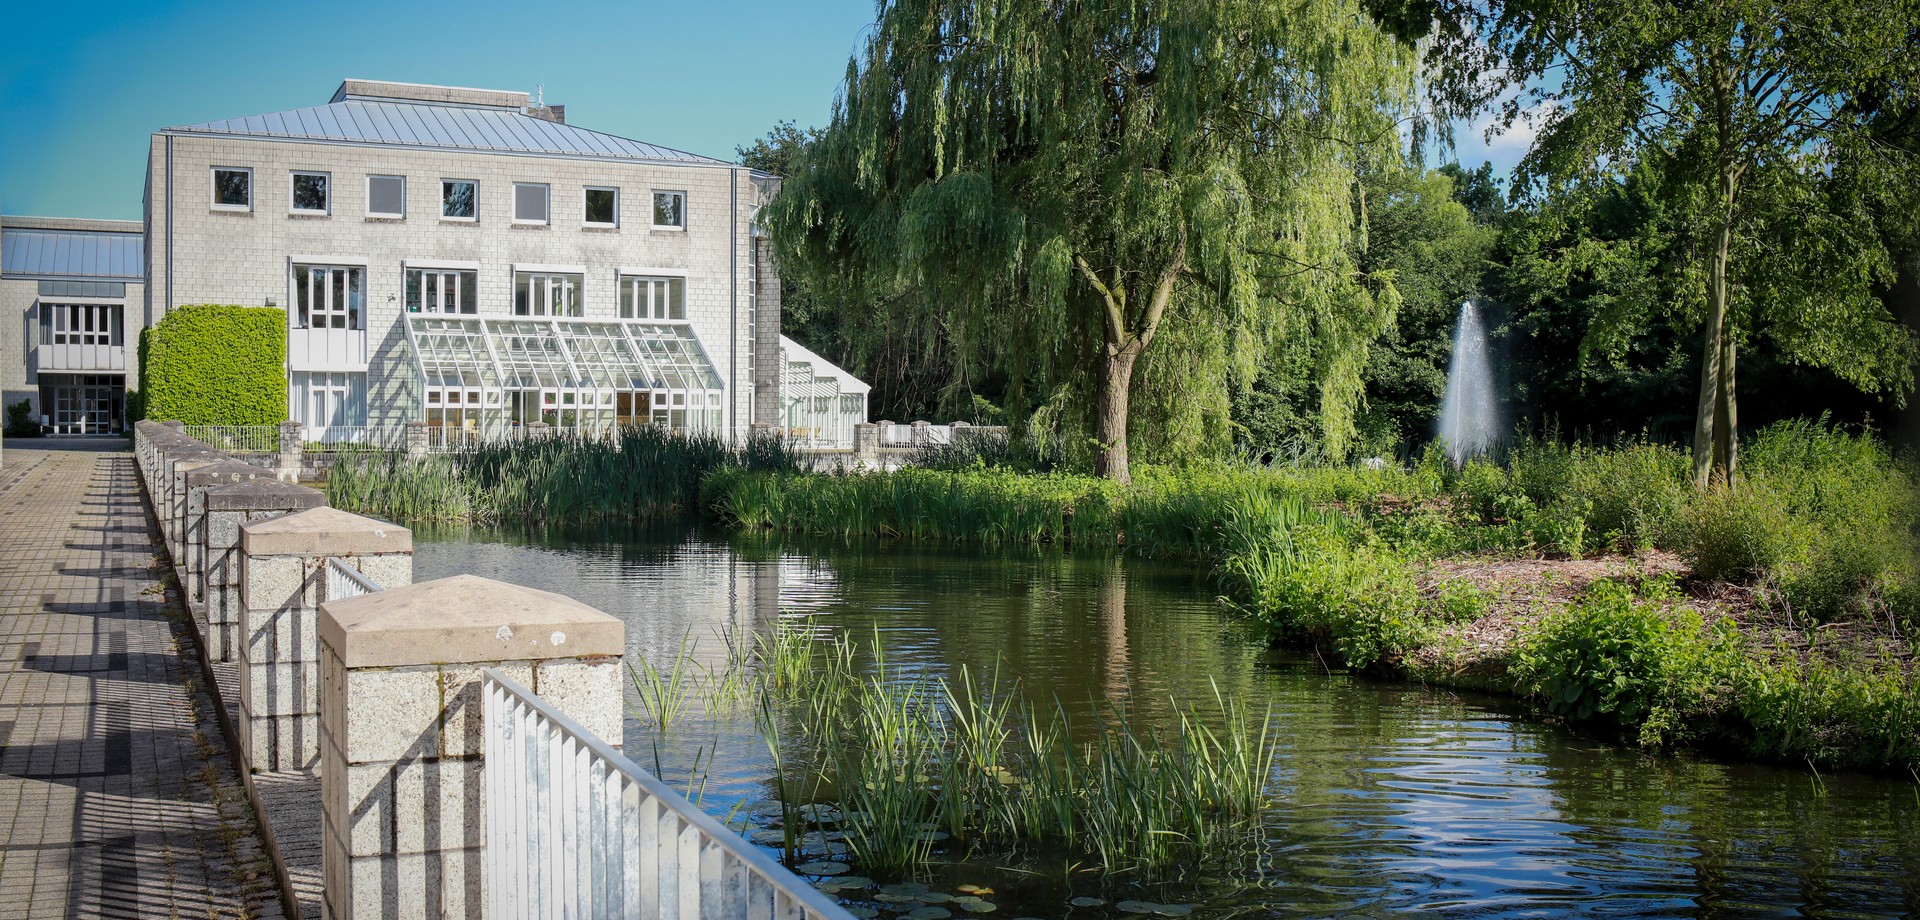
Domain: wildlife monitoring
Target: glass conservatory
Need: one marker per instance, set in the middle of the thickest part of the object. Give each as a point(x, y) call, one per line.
point(484, 376)
point(821, 402)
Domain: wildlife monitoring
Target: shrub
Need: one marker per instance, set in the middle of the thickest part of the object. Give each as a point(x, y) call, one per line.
point(1734, 531)
point(1859, 714)
point(216, 365)
point(20, 420)
point(1316, 581)
point(1618, 660)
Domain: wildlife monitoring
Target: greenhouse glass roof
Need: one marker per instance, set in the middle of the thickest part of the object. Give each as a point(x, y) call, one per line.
point(546, 354)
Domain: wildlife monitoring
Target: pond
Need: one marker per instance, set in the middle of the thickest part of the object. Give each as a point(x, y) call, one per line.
point(1390, 798)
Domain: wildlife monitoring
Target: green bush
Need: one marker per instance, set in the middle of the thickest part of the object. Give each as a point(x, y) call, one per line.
point(213, 364)
point(1862, 714)
point(1740, 530)
point(1619, 660)
point(20, 420)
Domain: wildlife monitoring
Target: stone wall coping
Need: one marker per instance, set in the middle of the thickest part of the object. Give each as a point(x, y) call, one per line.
point(465, 619)
point(323, 531)
point(264, 495)
point(229, 469)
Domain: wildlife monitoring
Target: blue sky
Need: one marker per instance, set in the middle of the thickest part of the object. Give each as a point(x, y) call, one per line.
point(82, 86)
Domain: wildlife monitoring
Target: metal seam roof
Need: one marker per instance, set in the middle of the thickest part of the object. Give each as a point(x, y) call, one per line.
point(414, 124)
point(29, 252)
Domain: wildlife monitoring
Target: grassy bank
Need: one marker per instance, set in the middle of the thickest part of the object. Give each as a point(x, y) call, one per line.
point(637, 474)
point(1775, 617)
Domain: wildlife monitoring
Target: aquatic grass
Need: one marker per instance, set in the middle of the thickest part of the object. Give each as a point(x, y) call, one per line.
point(665, 693)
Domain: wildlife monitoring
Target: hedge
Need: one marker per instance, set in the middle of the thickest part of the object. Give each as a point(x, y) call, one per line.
point(215, 364)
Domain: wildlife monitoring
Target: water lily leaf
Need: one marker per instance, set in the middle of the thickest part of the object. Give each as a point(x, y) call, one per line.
point(929, 913)
point(906, 888)
point(975, 889)
point(822, 867)
point(851, 882)
point(977, 906)
point(934, 897)
point(1086, 902)
point(1172, 910)
point(1136, 907)
point(893, 898)
point(935, 836)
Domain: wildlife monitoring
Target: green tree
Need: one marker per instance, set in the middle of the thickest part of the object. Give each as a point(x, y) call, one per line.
point(1759, 116)
point(1047, 189)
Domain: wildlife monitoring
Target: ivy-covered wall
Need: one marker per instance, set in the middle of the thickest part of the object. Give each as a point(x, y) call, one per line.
point(215, 364)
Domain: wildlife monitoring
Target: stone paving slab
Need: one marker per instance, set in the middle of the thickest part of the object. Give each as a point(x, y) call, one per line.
point(118, 796)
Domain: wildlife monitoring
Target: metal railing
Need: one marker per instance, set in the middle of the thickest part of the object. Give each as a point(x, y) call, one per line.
point(237, 439)
point(344, 580)
point(575, 829)
point(338, 439)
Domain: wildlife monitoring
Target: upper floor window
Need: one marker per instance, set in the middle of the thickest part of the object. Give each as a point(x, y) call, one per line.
point(670, 210)
point(602, 207)
point(386, 196)
point(329, 296)
point(311, 193)
point(80, 324)
point(546, 294)
point(232, 188)
point(431, 290)
point(530, 202)
point(459, 199)
point(647, 297)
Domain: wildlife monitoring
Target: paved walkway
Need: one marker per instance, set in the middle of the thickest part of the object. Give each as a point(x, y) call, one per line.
point(117, 793)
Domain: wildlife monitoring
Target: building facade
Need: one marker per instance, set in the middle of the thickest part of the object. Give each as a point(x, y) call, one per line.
point(463, 257)
point(72, 297)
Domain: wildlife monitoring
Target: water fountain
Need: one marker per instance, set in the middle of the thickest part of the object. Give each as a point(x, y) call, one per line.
point(1469, 418)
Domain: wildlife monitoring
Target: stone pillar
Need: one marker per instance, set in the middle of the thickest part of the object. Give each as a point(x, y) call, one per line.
point(920, 433)
point(403, 736)
point(866, 444)
point(283, 582)
point(416, 440)
point(536, 430)
point(177, 463)
point(228, 509)
point(292, 449)
point(198, 482)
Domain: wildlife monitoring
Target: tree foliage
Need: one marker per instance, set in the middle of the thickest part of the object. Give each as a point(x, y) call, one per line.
point(1050, 194)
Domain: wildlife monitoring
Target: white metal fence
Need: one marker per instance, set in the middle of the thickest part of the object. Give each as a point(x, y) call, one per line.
point(344, 580)
point(336, 439)
point(575, 829)
point(238, 439)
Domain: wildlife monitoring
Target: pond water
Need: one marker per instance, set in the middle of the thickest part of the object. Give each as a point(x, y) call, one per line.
point(1392, 799)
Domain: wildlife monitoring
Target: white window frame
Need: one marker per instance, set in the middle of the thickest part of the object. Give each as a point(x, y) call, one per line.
point(639, 280)
point(319, 303)
point(213, 188)
point(653, 209)
point(554, 280)
point(584, 222)
point(462, 274)
point(293, 176)
point(476, 201)
point(543, 186)
point(403, 196)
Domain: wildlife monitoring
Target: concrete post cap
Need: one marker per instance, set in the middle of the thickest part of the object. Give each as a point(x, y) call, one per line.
point(226, 471)
point(322, 531)
point(263, 495)
point(465, 619)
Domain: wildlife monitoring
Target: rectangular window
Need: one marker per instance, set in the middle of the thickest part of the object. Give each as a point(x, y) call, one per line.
point(80, 324)
point(670, 210)
point(310, 193)
point(602, 207)
point(232, 188)
point(329, 296)
point(529, 203)
point(386, 196)
point(442, 291)
point(646, 297)
point(459, 199)
point(546, 294)
point(325, 400)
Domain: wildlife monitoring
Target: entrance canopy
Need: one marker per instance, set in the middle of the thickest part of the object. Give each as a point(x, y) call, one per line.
point(585, 372)
point(822, 403)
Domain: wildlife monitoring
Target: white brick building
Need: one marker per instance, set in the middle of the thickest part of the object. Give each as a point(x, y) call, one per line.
point(70, 305)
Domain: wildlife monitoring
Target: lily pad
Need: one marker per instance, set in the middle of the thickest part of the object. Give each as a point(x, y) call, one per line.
point(935, 836)
point(935, 897)
point(1136, 907)
point(1172, 910)
point(975, 905)
point(853, 882)
point(904, 888)
point(974, 889)
point(1086, 902)
point(822, 867)
point(929, 913)
point(768, 836)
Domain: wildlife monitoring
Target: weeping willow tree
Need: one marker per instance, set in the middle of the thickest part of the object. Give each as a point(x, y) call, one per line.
point(1053, 193)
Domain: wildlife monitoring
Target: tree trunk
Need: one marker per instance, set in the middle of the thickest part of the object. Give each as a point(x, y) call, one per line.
point(1714, 425)
point(1116, 386)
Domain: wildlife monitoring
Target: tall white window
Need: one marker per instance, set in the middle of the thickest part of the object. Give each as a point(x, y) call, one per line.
point(329, 296)
point(647, 297)
point(546, 294)
point(312, 193)
point(232, 188)
point(530, 202)
point(670, 210)
point(320, 400)
point(386, 196)
point(432, 290)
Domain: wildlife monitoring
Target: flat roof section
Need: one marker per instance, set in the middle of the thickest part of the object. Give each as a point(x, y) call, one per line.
point(30, 252)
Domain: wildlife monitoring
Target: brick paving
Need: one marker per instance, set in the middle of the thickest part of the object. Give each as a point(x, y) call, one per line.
point(118, 796)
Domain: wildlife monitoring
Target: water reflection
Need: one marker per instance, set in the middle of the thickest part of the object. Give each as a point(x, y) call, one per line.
point(1393, 799)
